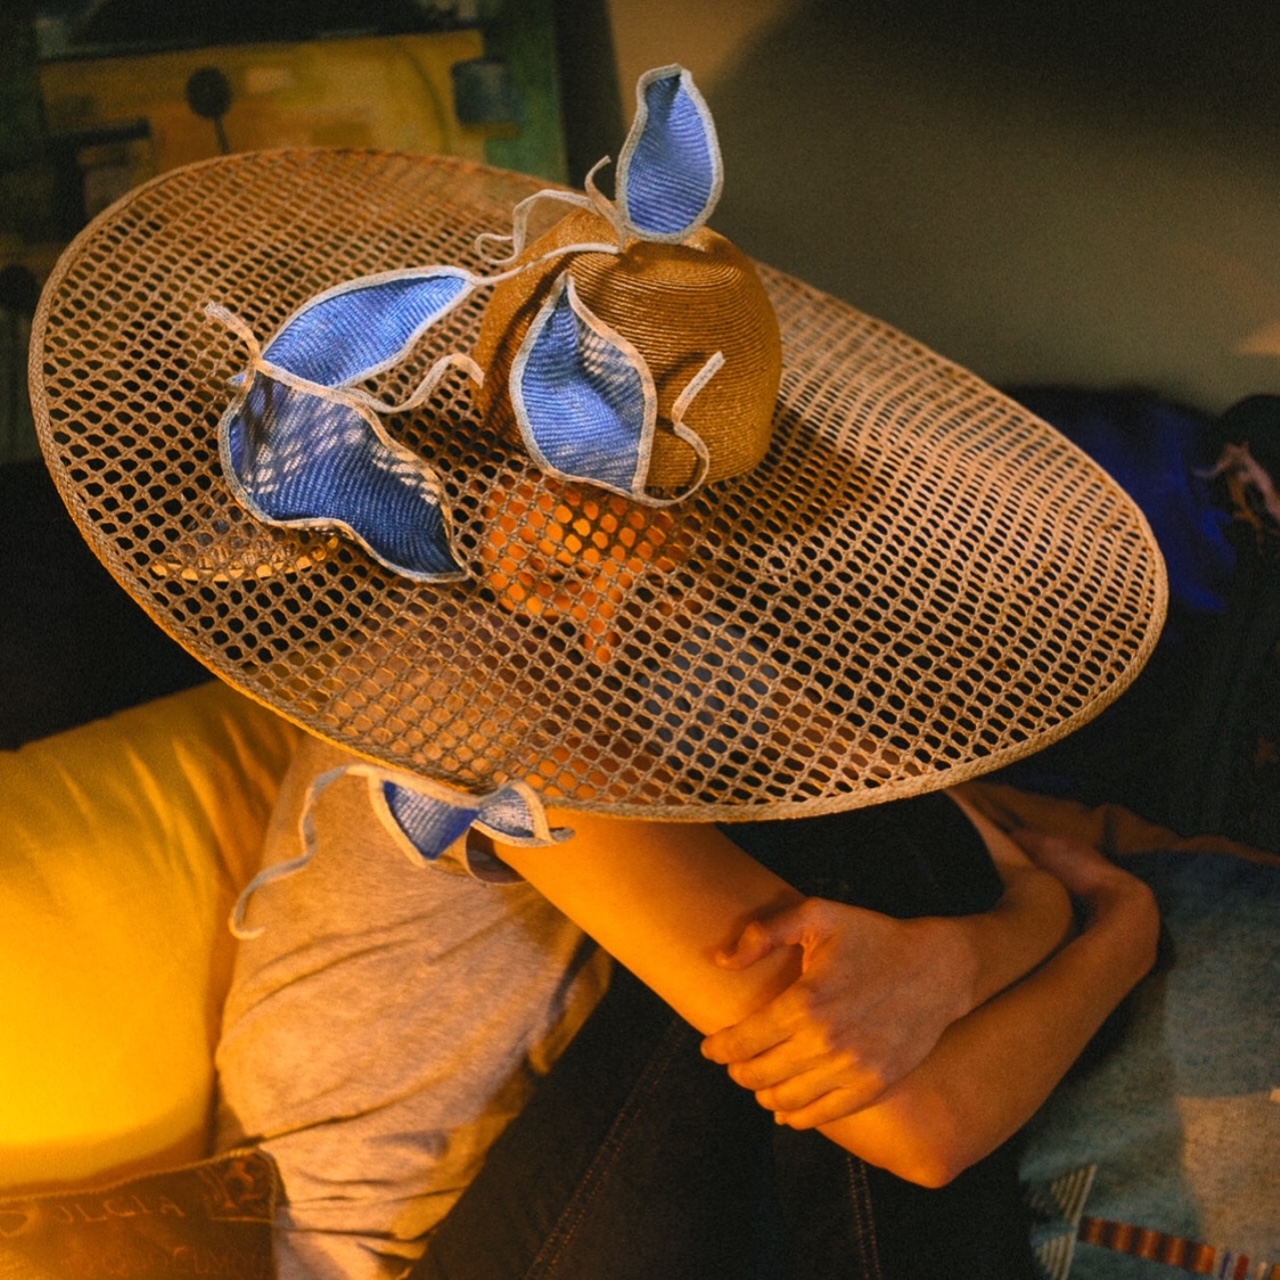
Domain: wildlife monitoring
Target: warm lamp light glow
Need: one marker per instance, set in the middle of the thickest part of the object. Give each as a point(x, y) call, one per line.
point(125, 840)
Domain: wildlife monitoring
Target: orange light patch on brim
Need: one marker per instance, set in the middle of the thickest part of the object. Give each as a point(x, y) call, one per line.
point(553, 550)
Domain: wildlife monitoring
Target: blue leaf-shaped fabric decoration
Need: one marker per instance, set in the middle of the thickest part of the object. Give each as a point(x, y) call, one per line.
point(301, 459)
point(359, 328)
point(669, 174)
point(431, 822)
point(583, 396)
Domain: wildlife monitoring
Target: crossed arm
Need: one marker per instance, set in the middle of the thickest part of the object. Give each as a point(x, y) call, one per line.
point(918, 1045)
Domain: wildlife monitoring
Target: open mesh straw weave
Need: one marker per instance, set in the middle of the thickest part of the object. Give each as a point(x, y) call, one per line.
point(920, 582)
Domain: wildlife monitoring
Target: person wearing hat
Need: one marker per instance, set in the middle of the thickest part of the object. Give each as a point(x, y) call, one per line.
point(627, 570)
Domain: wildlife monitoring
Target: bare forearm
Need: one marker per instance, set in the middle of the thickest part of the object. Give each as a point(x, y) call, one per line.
point(1031, 921)
point(993, 1069)
point(662, 899)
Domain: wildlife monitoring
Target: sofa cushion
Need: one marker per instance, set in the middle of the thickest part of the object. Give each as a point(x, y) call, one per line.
point(125, 842)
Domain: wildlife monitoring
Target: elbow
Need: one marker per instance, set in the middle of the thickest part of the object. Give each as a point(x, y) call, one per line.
point(926, 1142)
point(930, 1165)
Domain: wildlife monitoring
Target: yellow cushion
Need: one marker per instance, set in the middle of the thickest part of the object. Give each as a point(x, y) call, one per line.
point(124, 843)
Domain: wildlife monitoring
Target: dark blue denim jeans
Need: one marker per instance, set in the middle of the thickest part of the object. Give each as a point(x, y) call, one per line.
point(637, 1159)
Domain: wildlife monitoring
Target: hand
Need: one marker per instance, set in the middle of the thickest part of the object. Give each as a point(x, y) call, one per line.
point(874, 996)
point(1102, 889)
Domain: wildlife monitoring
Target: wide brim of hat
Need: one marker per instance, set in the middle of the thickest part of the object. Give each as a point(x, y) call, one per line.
point(920, 583)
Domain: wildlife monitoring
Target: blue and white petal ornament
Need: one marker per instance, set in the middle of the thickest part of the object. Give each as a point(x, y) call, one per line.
point(302, 454)
point(358, 329)
point(586, 403)
point(670, 173)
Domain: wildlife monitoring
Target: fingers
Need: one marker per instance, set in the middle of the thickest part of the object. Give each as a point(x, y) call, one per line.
point(818, 1096)
point(755, 942)
point(858, 1081)
point(793, 927)
point(754, 1035)
point(784, 1062)
point(852, 1024)
point(798, 1015)
point(794, 1073)
point(834, 1105)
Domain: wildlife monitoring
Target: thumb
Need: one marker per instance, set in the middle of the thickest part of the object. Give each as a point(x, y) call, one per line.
point(790, 927)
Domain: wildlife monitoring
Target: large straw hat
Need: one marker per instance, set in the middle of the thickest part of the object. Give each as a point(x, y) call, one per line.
point(919, 582)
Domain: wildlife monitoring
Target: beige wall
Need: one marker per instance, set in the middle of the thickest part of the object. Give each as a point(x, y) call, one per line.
point(1102, 209)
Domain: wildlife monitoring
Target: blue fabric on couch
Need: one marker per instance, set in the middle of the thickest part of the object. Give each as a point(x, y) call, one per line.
point(1181, 1117)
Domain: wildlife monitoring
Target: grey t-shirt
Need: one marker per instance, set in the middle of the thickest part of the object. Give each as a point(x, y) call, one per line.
point(386, 1025)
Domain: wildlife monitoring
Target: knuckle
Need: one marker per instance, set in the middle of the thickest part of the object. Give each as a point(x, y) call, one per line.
point(727, 1047)
point(846, 1061)
point(832, 1043)
point(781, 1097)
point(829, 1038)
point(878, 1078)
point(807, 1005)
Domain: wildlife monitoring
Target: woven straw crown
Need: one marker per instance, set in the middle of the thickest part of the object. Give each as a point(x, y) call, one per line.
point(918, 583)
point(678, 304)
